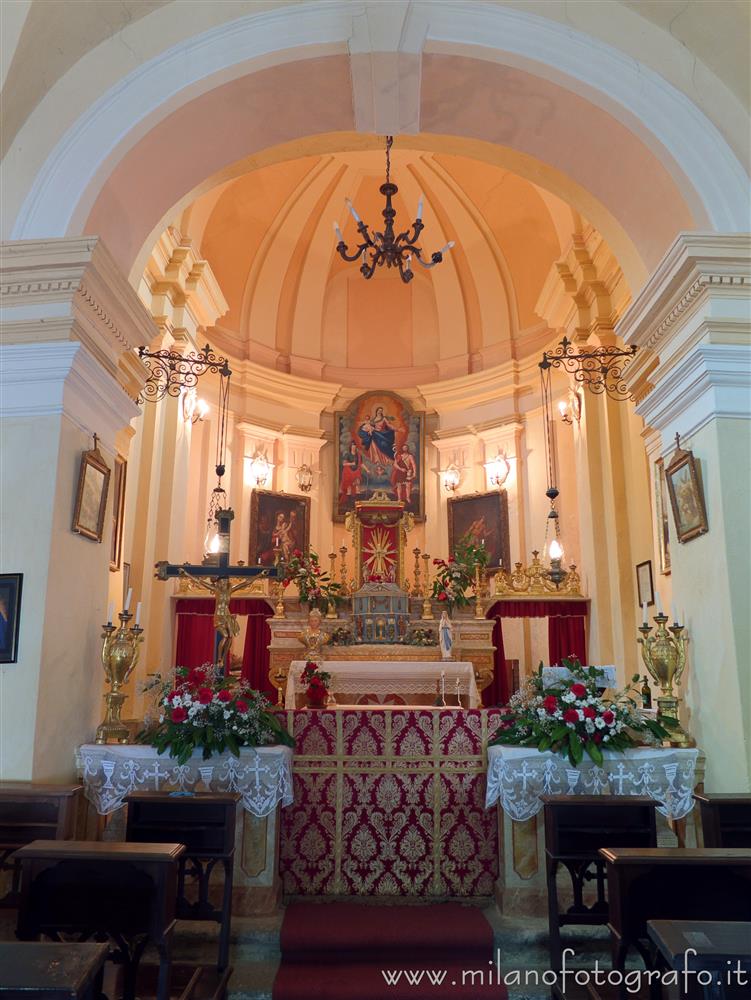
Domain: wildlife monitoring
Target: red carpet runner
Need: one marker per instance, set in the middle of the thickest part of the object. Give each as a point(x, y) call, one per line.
point(351, 951)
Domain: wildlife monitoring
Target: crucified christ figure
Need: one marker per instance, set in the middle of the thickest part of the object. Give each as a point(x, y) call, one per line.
point(225, 622)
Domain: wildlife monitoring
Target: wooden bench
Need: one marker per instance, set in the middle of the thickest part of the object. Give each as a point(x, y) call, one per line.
point(725, 819)
point(205, 824)
point(717, 948)
point(43, 971)
point(672, 884)
point(124, 891)
point(576, 827)
point(33, 811)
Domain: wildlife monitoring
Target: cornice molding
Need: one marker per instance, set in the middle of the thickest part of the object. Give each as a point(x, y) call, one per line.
point(256, 382)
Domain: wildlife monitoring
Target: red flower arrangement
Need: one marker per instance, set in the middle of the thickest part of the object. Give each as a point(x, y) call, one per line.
point(572, 718)
point(199, 709)
point(316, 683)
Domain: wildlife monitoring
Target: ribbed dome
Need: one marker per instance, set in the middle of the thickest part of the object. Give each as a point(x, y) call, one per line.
point(296, 305)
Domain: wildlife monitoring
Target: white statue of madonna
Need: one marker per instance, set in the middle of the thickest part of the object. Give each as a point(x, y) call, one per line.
point(445, 636)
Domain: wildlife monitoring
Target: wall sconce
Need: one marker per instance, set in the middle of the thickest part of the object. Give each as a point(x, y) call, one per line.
point(571, 410)
point(193, 408)
point(451, 478)
point(304, 476)
point(260, 469)
point(498, 469)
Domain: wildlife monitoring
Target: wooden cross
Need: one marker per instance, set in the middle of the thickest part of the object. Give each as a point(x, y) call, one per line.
point(215, 578)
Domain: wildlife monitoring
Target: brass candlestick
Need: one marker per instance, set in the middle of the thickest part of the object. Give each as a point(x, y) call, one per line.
point(416, 587)
point(331, 607)
point(664, 655)
point(427, 607)
point(343, 571)
point(479, 611)
point(120, 650)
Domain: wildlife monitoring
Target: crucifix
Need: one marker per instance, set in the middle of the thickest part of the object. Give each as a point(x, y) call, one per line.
point(216, 577)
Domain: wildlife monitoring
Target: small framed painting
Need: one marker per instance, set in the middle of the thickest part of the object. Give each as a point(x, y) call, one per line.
point(10, 615)
point(484, 518)
point(91, 498)
point(644, 583)
point(279, 524)
point(118, 512)
point(686, 496)
point(661, 514)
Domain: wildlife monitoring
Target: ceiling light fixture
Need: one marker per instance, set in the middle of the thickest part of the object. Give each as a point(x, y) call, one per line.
point(386, 247)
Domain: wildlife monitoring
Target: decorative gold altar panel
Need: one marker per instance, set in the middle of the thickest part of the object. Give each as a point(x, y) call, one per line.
point(379, 529)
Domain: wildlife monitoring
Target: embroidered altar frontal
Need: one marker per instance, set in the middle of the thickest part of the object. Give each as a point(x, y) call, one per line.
point(390, 802)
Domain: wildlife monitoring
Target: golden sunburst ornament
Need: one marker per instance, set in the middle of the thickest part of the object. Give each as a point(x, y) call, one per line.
point(380, 553)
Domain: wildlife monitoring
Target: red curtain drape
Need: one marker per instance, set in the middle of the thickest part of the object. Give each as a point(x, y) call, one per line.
point(566, 635)
point(195, 636)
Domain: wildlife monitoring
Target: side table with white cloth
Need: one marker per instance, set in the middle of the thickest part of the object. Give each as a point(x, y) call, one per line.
point(519, 776)
point(383, 682)
point(262, 776)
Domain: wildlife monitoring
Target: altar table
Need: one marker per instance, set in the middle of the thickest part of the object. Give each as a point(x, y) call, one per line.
point(376, 681)
point(262, 775)
point(518, 776)
point(390, 803)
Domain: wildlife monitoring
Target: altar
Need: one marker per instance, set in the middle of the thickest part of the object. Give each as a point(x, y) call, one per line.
point(394, 682)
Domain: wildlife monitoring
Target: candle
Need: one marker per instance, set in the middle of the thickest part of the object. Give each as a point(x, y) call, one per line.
point(338, 232)
point(419, 208)
point(658, 602)
point(351, 207)
point(447, 247)
point(674, 610)
point(443, 685)
point(644, 613)
point(110, 612)
point(138, 613)
point(127, 598)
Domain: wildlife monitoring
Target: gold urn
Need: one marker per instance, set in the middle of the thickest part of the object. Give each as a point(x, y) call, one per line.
point(120, 650)
point(664, 655)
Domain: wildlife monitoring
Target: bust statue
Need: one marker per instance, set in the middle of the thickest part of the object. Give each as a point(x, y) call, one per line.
point(313, 637)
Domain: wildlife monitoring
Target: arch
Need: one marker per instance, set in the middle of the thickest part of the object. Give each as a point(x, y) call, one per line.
point(625, 110)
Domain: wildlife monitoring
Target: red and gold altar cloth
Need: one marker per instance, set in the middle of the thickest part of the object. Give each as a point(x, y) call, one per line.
point(390, 803)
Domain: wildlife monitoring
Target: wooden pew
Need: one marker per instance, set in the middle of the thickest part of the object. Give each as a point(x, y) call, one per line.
point(33, 811)
point(205, 824)
point(720, 949)
point(126, 891)
point(725, 819)
point(51, 971)
point(576, 827)
point(672, 884)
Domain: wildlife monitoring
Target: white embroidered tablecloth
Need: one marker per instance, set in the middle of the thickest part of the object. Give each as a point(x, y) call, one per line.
point(262, 776)
point(408, 679)
point(518, 776)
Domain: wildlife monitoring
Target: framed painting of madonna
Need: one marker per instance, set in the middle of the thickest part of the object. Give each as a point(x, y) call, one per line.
point(379, 442)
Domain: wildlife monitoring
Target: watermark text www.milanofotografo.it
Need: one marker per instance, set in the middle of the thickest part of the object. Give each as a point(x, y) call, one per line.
point(631, 980)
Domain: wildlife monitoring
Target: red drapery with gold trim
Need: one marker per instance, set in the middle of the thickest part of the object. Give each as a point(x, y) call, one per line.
point(195, 636)
point(566, 636)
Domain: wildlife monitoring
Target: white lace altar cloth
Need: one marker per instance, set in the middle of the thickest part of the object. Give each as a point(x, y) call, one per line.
point(413, 681)
point(518, 776)
point(263, 775)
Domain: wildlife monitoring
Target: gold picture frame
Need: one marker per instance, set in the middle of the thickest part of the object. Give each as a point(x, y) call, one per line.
point(275, 528)
point(373, 423)
point(118, 513)
point(485, 516)
point(686, 495)
point(91, 495)
point(661, 516)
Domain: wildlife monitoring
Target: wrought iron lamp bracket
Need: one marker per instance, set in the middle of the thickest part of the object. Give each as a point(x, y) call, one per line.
point(599, 369)
point(170, 372)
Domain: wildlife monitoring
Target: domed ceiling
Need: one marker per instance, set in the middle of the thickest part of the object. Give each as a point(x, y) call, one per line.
point(295, 305)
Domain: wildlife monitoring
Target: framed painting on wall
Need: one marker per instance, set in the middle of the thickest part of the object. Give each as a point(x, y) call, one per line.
point(484, 517)
point(91, 496)
point(661, 513)
point(118, 511)
point(686, 496)
point(379, 445)
point(10, 615)
point(279, 524)
point(644, 583)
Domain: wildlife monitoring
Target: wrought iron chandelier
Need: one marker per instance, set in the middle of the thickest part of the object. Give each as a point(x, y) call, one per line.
point(385, 247)
point(600, 369)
